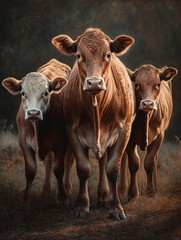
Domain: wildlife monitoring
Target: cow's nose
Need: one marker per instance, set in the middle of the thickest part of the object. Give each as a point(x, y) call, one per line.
point(94, 85)
point(147, 105)
point(33, 114)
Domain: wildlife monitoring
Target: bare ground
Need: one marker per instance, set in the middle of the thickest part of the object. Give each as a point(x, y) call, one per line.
point(157, 217)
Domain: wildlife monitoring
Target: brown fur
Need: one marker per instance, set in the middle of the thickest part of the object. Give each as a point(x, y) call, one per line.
point(41, 137)
point(149, 127)
point(114, 111)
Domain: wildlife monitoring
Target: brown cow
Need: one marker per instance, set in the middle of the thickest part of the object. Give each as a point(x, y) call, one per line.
point(154, 109)
point(99, 110)
point(41, 126)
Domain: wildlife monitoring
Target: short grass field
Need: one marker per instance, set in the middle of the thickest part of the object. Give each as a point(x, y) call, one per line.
point(153, 218)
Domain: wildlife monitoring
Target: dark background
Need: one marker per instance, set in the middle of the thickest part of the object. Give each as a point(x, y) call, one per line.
point(27, 28)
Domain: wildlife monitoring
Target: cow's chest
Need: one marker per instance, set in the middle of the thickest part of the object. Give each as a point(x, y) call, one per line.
point(87, 136)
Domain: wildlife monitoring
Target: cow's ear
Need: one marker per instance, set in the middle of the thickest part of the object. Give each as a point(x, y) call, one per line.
point(167, 73)
point(121, 44)
point(65, 44)
point(57, 84)
point(12, 85)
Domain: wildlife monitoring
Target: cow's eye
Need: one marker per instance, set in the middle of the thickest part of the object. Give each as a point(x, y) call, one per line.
point(108, 55)
point(157, 86)
point(137, 85)
point(78, 56)
point(22, 94)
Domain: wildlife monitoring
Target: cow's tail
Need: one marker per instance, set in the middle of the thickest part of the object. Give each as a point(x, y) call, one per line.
point(123, 187)
point(69, 160)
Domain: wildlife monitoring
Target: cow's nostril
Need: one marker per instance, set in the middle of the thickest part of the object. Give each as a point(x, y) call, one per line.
point(100, 83)
point(89, 83)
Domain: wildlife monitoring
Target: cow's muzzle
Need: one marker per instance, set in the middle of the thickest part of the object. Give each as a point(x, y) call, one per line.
point(94, 85)
point(33, 115)
point(147, 105)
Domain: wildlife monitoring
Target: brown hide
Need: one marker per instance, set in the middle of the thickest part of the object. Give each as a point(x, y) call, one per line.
point(43, 137)
point(148, 125)
point(100, 121)
point(152, 89)
point(50, 129)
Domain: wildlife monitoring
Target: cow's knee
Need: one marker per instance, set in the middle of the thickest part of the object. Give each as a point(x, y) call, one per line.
point(112, 173)
point(84, 171)
point(149, 166)
point(133, 168)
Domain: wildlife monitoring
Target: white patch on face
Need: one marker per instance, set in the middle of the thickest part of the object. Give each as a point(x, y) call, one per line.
point(34, 87)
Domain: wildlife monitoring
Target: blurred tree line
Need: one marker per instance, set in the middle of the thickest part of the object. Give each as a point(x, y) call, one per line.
point(27, 28)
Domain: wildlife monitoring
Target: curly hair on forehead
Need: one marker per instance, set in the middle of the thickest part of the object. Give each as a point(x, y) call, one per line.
point(146, 69)
point(94, 40)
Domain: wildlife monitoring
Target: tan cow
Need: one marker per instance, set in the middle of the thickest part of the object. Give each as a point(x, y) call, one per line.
point(153, 113)
point(41, 125)
point(99, 110)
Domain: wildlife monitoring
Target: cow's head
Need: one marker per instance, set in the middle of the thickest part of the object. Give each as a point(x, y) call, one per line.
point(93, 50)
point(35, 90)
point(148, 80)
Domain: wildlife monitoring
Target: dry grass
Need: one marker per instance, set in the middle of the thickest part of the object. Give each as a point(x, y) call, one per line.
point(147, 217)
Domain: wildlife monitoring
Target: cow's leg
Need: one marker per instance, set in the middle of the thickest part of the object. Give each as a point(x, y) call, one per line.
point(123, 188)
point(150, 162)
point(134, 163)
point(114, 158)
point(103, 187)
point(58, 170)
point(30, 166)
point(83, 172)
point(69, 159)
point(156, 171)
point(47, 179)
point(48, 172)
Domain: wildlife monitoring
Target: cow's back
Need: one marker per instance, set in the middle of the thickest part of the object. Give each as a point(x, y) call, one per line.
point(54, 69)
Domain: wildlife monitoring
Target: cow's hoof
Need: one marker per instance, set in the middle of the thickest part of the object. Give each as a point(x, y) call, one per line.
point(80, 215)
point(122, 215)
point(103, 204)
point(118, 216)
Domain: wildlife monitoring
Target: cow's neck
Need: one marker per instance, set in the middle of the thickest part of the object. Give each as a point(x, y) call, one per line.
point(36, 129)
point(96, 123)
point(103, 100)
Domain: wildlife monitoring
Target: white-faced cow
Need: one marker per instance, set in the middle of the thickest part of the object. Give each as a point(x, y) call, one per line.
point(99, 110)
point(41, 125)
point(153, 113)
